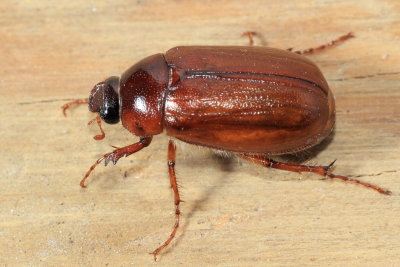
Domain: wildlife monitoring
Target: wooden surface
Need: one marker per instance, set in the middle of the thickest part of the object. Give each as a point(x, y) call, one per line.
point(235, 214)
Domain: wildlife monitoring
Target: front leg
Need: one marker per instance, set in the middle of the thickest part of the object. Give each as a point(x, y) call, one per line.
point(117, 154)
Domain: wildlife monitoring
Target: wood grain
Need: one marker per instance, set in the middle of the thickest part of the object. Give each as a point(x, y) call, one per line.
point(235, 214)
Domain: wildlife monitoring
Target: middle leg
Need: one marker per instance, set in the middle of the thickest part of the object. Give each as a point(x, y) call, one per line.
point(177, 199)
point(250, 35)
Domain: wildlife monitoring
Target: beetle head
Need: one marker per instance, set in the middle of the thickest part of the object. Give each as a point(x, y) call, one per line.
point(104, 99)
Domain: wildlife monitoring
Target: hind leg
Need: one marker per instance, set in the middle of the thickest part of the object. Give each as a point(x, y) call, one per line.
point(321, 170)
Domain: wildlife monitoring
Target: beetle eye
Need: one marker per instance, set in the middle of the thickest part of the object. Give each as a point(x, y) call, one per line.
point(109, 111)
point(104, 99)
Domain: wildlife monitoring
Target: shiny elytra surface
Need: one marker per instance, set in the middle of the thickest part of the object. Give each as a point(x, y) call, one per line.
point(246, 99)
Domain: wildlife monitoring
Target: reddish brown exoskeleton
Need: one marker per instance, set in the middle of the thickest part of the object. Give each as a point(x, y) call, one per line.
point(253, 101)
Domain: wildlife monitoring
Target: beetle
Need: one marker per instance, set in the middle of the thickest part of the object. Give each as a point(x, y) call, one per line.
point(255, 102)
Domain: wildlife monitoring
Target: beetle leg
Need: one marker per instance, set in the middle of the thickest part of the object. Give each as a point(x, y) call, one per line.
point(321, 170)
point(73, 103)
point(97, 119)
point(177, 199)
point(99, 136)
point(117, 154)
point(322, 47)
point(250, 35)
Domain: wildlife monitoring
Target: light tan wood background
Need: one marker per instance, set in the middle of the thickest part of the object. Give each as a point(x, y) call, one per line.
point(235, 214)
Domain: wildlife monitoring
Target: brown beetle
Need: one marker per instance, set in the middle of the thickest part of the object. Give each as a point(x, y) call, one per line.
point(252, 101)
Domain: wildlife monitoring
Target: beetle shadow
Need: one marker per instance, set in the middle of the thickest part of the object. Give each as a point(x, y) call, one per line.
point(227, 163)
point(308, 154)
point(262, 41)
